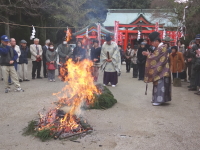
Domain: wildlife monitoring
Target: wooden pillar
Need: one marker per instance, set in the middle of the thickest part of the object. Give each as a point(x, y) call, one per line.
point(126, 39)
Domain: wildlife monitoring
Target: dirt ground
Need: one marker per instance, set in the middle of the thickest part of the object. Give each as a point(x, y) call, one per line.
point(132, 124)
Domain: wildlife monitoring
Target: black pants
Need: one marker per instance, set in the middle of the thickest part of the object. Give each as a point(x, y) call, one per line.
point(36, 66)
point(111, 77)
point(141, 68)
point(198, 79)
point(44, 68)
point(193, 77)
point(175, 75)
point(135, 70)
point(188, 67)
point(128, 65)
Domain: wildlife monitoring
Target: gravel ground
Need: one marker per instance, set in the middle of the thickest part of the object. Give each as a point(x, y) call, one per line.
point(132, 124)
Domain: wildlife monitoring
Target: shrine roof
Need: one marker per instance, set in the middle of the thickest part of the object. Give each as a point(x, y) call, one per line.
point(130, 16)
point(92, 27)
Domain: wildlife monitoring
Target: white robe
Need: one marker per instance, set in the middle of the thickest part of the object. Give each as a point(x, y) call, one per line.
point(115, 56)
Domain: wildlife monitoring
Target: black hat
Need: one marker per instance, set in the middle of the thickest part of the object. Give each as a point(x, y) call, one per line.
point(108, 37)
point(174, 47)
point(95, 41)
point(197, 36)
point(129, 44)
point(154, 36)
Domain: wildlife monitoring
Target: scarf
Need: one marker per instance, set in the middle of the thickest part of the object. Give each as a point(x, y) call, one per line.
point(52, 50)
point(174, 54)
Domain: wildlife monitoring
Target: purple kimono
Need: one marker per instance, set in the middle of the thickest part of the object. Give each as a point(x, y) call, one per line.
point(157, 70)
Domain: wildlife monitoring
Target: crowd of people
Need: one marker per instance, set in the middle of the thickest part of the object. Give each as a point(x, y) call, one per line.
point(182, 63)
point(14, 60)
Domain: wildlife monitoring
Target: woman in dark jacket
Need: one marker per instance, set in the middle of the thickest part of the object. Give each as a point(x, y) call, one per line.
point(141, 60)
point(79, 53)
point(95, 57)
point(128, 57)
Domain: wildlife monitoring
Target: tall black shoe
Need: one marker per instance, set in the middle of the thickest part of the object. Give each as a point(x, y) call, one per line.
point(192, 89)
point(33, 78)
point(39, 77)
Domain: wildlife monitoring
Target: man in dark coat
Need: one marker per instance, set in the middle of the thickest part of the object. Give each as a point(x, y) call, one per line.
point(147, 46)
point(141, 60)
point(121, 53)
point(23, 62)
point(194, 52)
point(8, 56)
point(45, 48)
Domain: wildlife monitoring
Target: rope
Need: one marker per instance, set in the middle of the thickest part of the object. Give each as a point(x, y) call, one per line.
point(14, 24)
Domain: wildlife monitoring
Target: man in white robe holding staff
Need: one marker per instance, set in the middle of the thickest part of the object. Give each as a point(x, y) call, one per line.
point(110, 61)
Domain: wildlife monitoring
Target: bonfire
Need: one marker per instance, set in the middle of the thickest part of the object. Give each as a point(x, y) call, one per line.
point(64, 120)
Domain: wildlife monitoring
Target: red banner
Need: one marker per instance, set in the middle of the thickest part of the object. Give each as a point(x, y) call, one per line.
point(120, 38)
point(157, 27)
point(116, 31)
point(99, 33)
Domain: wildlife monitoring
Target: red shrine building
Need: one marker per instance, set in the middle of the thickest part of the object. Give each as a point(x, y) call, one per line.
point(133, 20)
point(91, 32)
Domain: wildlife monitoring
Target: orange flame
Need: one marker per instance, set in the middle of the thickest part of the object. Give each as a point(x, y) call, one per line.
point(79, 90)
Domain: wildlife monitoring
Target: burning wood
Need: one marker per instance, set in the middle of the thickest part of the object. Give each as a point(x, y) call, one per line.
point(64, 120)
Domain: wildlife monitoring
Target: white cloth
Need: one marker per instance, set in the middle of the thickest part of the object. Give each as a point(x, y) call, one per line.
point(57, 57)
point(160, 44)
point(17, 49)
point(22, 71)
point(115, 56)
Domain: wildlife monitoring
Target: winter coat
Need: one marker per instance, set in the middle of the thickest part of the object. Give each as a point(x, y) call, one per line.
point(51, 56)
point(34, 52)
point(177, 62)
point(63, 51)
point(7, 54)
point(193, 52)
point(182, 49)
point(128, 54)
point(141, 58)
point(23, 58)
point(95, 54)
point(134, 57)
point(44, 48)
point(188, 55)
point(79, 52)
